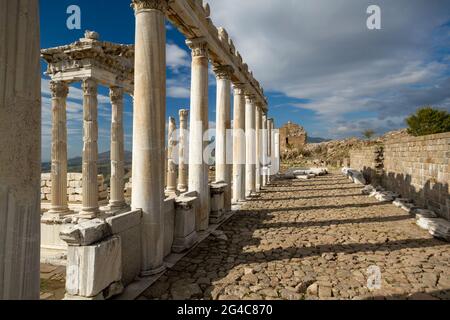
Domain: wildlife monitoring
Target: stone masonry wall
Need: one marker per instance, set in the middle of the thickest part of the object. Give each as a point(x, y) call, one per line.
point(368, 160)
point(415, 167)
point(74, 187)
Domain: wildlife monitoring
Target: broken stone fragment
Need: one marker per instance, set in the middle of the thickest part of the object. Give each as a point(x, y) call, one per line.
point(85, 233)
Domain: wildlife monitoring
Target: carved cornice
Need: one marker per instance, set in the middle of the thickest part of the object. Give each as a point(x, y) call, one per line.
point(89, 87)
point(59, 89)
point(223, 72)
point(116, 95)
point(199, 47)
point(142, 5)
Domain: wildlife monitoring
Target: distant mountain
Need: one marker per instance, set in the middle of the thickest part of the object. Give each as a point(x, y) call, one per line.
point(104, 160)
point(317, 140)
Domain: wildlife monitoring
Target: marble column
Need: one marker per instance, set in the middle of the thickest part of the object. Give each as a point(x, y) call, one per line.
point(264, 150)
point(223, 128)
point(171, 189)
point(198, 168)
point(276, 152)
point(117, 196)
point(149, 129)
point(20, 145)
point(239, 144)
point(59, 206)
point(250, 136)
point(258, 147)
point(269, 147)
point(182, 152)
point(90, 208)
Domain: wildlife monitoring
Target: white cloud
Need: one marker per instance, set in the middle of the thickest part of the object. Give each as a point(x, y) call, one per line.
point(321, 50)
point(177, 57)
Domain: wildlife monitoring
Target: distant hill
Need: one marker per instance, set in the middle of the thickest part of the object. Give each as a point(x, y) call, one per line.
point(317, 140)
point(104, 162)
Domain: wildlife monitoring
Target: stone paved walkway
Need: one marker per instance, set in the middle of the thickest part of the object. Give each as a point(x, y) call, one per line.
point(308, 240)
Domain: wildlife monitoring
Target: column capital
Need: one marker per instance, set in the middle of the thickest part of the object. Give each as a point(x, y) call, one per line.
point(223, 72)
point(143, 5)
point(239, 88)
point(116, 94)
point(183, 113)
point(59, 89)
point(249, 98)
point(199, 47)
point(89, 87)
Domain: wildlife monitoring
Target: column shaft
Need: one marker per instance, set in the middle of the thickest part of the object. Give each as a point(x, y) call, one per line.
point(264, 150)
point(117, 196)
point(223, 127)
point(90, 207)
point(258, 147)
point(182, 152)
point(20, 145)
point(239, 144)
point(198, 168)
point(250, 157)
point(59, 205)
point(149, 129)
point(171, 188)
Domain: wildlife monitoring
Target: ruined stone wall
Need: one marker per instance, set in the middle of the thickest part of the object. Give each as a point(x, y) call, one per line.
point(415, 167)
point(292, 136)
point(419, 168)
point(74, 187)
point(368, 160)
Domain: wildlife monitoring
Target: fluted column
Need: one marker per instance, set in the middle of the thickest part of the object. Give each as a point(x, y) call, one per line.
point(171, 188)
point(117, 196)
point(59, 206)
point(198, 168)
point(223, 129)
point(239, 144)
point(182, 152)
point(90, 207)
point(149, 129)
point(258, 147)
point(20, 145)
point(250, 137)
point(269, 147)
point(264, 150)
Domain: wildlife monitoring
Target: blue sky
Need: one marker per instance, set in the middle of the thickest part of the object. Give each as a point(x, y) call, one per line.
point(319, 64)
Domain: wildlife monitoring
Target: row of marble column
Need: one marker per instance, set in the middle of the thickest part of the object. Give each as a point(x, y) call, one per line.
point(90, 202)
point(251, 141)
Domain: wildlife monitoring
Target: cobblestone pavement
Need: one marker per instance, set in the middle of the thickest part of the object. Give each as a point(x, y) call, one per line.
point(312, 239)
point(53, 280)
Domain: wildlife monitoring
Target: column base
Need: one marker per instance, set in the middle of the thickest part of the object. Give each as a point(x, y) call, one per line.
point(171, 193)
point(181, 245)
point(88, 215)
point(153, 272)
point(57, 213)
point(182, 189)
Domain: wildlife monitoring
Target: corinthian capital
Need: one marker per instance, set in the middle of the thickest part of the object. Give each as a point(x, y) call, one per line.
point(199, 47)
point(89, 87)
point(116, 94)
point(59, 89)
point(223, 72)
point(239, 88)
point(140, 5)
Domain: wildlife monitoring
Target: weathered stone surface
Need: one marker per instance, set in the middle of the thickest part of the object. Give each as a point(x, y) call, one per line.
point(86, 233)
point(92, 269)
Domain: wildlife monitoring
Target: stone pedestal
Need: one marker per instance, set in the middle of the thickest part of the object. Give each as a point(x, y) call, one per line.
point(90, 207)
point(59, 204)
point(223, 129)
point(239, 144)
point(198, 168)
point(149, 129)
point(182, 152)
point(218, 208)
point(250, 187)
point(20, 145)
point(185, 235)
point(117, 196)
